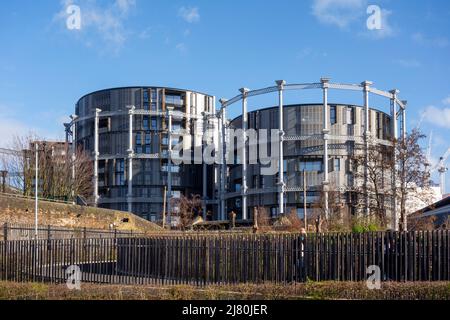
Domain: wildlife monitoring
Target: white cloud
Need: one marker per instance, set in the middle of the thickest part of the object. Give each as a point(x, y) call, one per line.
point(420, 38)
point(189, 14)
point(125, 5)
point(103, 21)
point(446, 101)
point(437, 116)
point(181, 47)
point(338, 12)
point(408, 63)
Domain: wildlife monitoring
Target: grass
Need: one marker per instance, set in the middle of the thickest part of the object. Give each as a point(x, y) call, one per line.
point(268, 291)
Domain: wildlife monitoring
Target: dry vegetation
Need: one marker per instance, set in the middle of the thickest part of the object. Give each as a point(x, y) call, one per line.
point(310, 290)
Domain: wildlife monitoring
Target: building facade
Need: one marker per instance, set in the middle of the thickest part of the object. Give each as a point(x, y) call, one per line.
point(303, 155)
point(128, 132)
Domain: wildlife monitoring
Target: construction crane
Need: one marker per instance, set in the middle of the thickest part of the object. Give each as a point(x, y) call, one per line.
point(442, 169)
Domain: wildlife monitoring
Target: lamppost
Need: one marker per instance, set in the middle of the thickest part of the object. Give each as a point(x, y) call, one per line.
point(36, 186)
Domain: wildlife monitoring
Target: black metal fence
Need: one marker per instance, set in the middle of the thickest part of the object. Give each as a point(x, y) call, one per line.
point(202, 260)
point(27, 232)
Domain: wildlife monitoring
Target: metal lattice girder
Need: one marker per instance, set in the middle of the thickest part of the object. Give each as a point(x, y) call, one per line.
point(384, 142)
point(381, 93)
point(359, 139)
point(135, 156)
point(262, 91)
point(233, 100)
point(175, 114)
point(400, 103)
point(304, 86)
point(342, 86)
point(333, 146)
point(302, 138)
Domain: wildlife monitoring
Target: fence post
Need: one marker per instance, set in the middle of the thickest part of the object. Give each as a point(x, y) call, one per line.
point(5, 232)
point(49, 232)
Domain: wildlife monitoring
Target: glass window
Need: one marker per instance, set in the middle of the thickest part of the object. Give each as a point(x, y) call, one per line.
point(120, 172)
point(145, 123)
point(333, 115)
point(311, 165)
point(255, 181)
point(337, 164)
point(176, 100)
point(145, 100)
point(145, 96)
point(138, 148)
point(154, 123)
point(301, 213)
point(176, 127)
point(238, 187)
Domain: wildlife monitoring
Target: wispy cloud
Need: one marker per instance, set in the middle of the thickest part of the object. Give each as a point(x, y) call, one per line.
point(408, 63)
point(422, 39)
point(125, 5)
point(437, 116)
point(340, 13)
point(181, 48)
point(310, 53)
point(101, 21)
point(446, 101)
point(189, 14)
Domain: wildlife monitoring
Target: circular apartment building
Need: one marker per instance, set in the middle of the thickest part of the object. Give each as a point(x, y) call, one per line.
point(303, 154)
point(127, 132)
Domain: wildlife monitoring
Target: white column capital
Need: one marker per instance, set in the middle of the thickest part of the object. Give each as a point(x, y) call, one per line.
point(394, 92)
point(131, 109)
point(74, 117)
point(280, 84)
point(170, 110)
point(222, 101)
point(325, 82)
point(97, 111)
point(405, 103)
point(366, 84)
point(244, 91)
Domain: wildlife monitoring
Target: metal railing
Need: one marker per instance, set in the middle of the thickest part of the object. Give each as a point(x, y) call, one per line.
point(230, 259)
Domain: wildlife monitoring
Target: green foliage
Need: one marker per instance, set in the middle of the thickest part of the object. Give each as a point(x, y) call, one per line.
point(363, 225)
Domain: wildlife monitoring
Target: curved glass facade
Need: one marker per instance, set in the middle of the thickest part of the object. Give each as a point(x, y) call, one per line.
point(304, 154)
point(150, 144)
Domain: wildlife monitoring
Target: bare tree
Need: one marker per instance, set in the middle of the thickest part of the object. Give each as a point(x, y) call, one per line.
point(188, 209)
point(413, 176)
point(379, 180)
point(55, 168)
point(336, 209)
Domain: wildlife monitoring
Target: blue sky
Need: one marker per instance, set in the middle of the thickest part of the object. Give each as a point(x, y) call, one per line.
point(217, 47)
